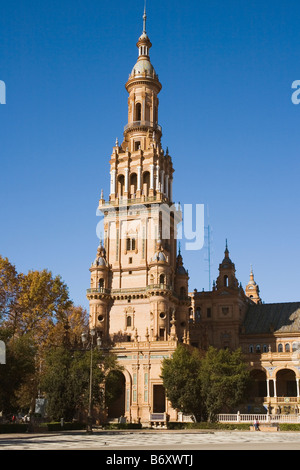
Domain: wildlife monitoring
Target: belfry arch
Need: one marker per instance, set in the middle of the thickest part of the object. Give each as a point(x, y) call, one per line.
point(146, 183)
point(120, 185)
point(138, 112)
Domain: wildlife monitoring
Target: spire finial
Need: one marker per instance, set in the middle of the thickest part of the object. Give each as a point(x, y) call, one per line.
point(226, 250)
point(144, 18)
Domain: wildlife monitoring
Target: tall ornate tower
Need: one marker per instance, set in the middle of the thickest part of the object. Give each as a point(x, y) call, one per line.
point(139, 294)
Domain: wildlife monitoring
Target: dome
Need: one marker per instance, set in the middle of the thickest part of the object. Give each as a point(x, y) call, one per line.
point(181, 270)
point(101, 256)
point(99, 261)
point(144, 37)
point(159, 256)
point(143, 66)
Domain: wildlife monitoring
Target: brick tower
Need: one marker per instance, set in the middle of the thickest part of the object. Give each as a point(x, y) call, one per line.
point(138, 295)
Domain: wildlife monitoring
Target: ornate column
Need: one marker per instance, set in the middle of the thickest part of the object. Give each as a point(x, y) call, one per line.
point(126, 181)
point(157, 178)
point(139, 173)
point(171, 190)
point(151, 177)
point(162, 179)
point(113, 182)
point(268, 388)
point(167, 185)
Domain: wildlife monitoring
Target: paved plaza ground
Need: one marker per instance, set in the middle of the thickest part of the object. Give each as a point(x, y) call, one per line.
point(153, 440)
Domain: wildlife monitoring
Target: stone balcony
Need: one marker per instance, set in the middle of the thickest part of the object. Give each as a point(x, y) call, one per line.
point(135, 125)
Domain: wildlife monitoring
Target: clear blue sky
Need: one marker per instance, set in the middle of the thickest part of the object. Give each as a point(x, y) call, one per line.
point(227, 116)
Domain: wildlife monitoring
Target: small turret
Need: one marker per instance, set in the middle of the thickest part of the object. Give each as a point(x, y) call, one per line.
point(227, 276)
point(252, 289)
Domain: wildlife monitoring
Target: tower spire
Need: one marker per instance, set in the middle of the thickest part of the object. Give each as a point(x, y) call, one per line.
point(144, 18)
point(226, 250)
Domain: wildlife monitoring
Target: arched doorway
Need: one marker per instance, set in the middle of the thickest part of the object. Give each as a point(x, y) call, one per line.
point(258, 384)
point(286, 383)
point(115, 394)
point(159, 399)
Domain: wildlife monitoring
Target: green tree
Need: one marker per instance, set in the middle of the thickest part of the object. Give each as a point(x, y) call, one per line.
point(36, 307)
point(66, 377)
point(205, 384)
point(16, 373)
point(181, 379)
point(224, 376)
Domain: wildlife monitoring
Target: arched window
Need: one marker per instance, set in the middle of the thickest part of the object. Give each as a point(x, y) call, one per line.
point(101, 283)
point(162, 279)
point(138, 112)
point(128, 321)
point(251, 348)
point(287, 347)
point(226, 281)
point(198, 314)
point(121, 182)
point(130, 244)
point(280, 348)
point(257, 348)
point(133, 184)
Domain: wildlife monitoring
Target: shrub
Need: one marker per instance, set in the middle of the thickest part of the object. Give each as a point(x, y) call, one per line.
point(289, 426)
point(209, 426)
point(122, 426)
point(13, 428)
point(56, 426)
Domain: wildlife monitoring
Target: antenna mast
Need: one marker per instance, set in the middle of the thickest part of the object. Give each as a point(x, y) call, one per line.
point(209, 250)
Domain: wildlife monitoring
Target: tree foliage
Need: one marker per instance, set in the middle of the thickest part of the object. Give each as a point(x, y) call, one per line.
point(9, 291)
point(36, 312)
point(32, 303)
point(66, 380)
point(181, 380)
point(224, 378)
point(17, 374)
point(204, 385)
